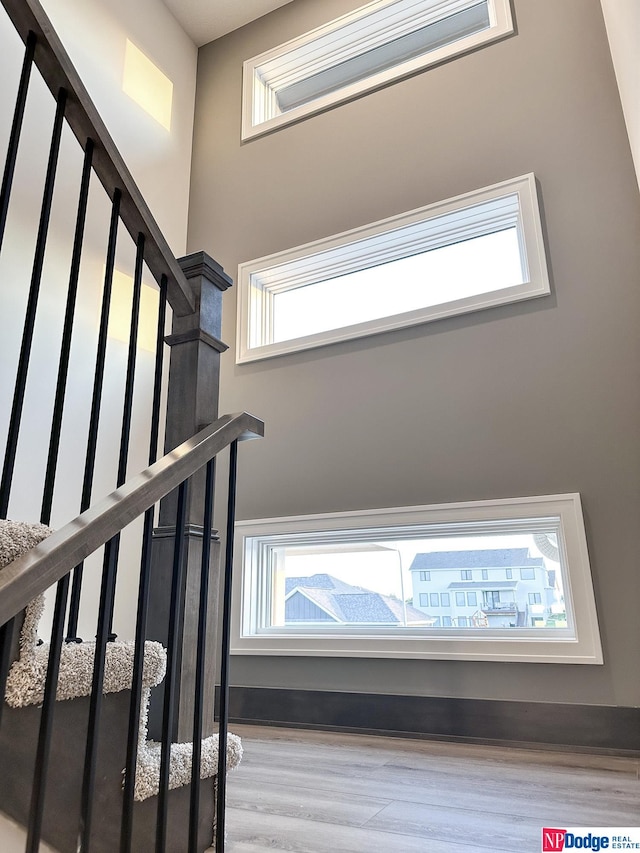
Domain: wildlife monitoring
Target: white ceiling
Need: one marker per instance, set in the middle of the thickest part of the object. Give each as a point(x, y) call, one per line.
point(206, 20)
point(622, 18)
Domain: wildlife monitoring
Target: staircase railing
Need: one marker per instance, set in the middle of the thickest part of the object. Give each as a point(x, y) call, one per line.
point(60, 559)
point(101, 158)
point(49, 561)
point(52, 561)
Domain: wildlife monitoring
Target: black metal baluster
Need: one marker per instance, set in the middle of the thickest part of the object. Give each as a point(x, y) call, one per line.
point(16, 129)
point(92, 441)
point(143, 595)
point(223, 719)
point(65, 347)
point(157, 378)
point(46, 719)
point(107, 592)
point(6, 645)
point(194, 808)
point(175, 621)
point(131, 363)
point(127, 410)
point(62, 593)
point(32, 305)
point(110, 568)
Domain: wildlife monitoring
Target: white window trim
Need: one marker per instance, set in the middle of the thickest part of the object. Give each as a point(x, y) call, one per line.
point(343, 38)
point(579, 644)
point(409, 233)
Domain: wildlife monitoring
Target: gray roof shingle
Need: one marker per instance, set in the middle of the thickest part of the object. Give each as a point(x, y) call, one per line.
point(483, 585)
point(353, 604)
point(490, 558)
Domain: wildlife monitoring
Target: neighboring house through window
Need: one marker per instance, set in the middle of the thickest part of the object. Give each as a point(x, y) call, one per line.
point(352, 583)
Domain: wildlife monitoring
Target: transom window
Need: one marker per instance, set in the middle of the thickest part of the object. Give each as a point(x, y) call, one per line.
point(375, 44)
point(349, 584)
point(474, 251)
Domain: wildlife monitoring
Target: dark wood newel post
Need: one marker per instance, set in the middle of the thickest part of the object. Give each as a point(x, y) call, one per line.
point(192, 402)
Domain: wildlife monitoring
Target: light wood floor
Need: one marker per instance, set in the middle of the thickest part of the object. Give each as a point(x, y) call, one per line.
point(318, 792)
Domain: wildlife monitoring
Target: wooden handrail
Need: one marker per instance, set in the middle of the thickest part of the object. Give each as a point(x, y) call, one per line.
point(56, 68)
point(44, 565)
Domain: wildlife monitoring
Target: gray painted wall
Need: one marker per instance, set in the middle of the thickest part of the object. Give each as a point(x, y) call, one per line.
point(537, 398)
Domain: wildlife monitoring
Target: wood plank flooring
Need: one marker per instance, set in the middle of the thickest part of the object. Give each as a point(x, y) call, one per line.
point(319, 792)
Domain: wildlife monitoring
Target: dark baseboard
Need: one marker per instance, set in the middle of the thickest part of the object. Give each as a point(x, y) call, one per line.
point(584, 728)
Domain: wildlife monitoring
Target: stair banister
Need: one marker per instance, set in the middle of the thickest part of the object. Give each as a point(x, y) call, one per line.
point(30, 575)
point(193, 287)
point(44, 565)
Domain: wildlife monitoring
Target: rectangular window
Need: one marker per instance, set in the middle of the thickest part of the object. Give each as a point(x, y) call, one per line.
point(444, 599)
point(509, 574)
point(425, 576)
point(369, 47)
point(463, 622)
point(535, 598)
point(342, 584)
point(446, 621)
point(491, 600)
point(466, 575)
point(485, 574)
point(527, 574)
point(475, 251)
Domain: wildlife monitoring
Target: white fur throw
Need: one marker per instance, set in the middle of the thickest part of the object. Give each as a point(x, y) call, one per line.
point(25, 684)
point(18, 537)
point(148, 768)
point(180, 761)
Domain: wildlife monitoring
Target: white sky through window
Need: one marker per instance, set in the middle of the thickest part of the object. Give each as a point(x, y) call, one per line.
point(457, 271)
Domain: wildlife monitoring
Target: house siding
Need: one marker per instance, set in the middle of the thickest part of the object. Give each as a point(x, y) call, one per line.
point(298, 608)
